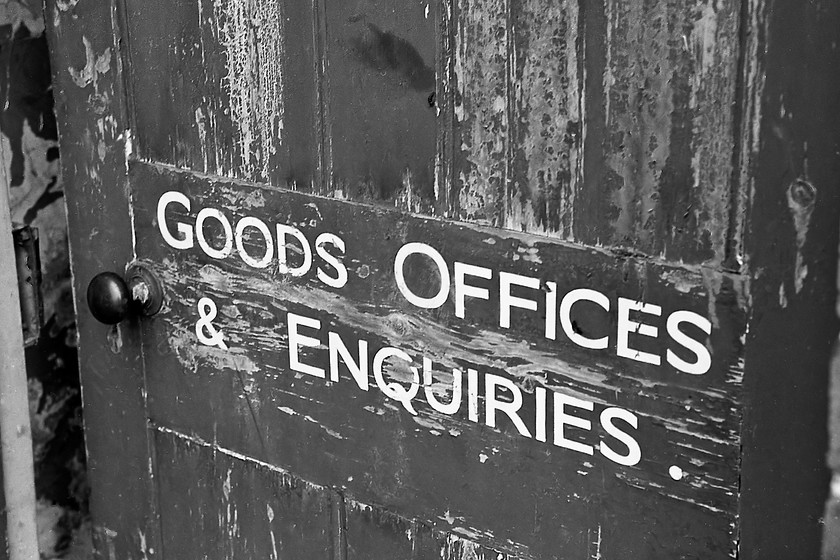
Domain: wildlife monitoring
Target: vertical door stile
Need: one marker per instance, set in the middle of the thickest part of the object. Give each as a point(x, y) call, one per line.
point(88, 76)
point(481, 108)
point(323, 133)
point(443, 104)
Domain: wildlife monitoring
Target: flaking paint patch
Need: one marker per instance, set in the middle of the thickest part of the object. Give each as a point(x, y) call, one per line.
point(458, 547)
point(480, 63)
point(95, 64)
point(23, 12)
point(229, 515)
point(144, 547)
point(801, 199)
point(669, 92)
point(682, 280)
point(40, 173)
point(547, 109)
point(252, 35)
point(596, 541)
point(270, 514)
point(190, 354)
point(755, 80)
point(713, 44)
point(639, 106)
point(66, 5)
point(409, 198)
point(201, 126)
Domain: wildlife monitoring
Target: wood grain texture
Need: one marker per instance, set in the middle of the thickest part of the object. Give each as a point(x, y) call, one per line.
point(546, 152)
point(791, 246)
point(374, 534)
point(659, 132)
point(481, 39)
point(226, 87)
point(4, 543)
point(544, 501)
point(217, 506)
point(606, 123)
point(93, 125)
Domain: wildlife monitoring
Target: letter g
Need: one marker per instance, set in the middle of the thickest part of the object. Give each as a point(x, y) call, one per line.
point(186, 241)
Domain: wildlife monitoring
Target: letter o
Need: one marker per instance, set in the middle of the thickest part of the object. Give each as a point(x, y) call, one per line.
point(250, 221)
point(202, 241)
point(399, 263)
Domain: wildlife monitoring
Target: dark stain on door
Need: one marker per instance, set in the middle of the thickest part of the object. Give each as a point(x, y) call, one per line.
point(394, 58)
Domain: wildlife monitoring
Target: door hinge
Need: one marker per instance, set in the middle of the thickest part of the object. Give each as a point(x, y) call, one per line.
point(28, 261)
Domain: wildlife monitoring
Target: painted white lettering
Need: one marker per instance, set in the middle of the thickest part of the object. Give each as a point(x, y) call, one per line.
point(704, 360)
point(563, 419)
point(210, 251)
point(431, 398)
point(507, 300)
point(395, 390)
point(462, 289)
point(340, 278)
point(240, 242)
point(297, 340)
point(634, 452)
point(540, 422)
point(443, 272)
point(492, 404)
point(283, 251)
point(566, 316)
point(626, 326)
point(186, 232)
point(472, 395)
point(551, 311)
point(358, 369)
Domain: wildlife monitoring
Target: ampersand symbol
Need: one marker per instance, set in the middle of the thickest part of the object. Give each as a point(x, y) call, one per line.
point(204, 329)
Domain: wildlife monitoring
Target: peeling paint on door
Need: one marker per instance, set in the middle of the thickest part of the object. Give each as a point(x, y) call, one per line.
point(253, 37)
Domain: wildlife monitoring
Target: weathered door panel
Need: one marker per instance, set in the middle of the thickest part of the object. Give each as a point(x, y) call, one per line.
point(226, 87)
point(92, 118)
point(216, 506)
point(490, 132)
point(661, 124)
point(606, 123)
point(432, 466)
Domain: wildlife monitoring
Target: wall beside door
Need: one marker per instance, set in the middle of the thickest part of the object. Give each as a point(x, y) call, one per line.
point(30, 156)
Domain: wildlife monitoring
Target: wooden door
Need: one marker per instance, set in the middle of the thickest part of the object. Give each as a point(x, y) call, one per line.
point(457, 279)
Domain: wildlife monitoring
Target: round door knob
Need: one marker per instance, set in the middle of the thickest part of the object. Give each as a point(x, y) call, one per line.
point(107, 298)
point(111, 299)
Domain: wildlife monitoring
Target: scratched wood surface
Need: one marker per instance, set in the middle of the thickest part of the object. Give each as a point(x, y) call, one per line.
point(644, 132)
point(94, 133)
point(492, 486)
point(217, 506)
point(609, 123)
point(4, 543)
point(600, 123)
point(792, 243)
point(226, 87)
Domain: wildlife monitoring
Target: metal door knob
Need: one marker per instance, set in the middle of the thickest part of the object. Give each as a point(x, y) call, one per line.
point(111, 299)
